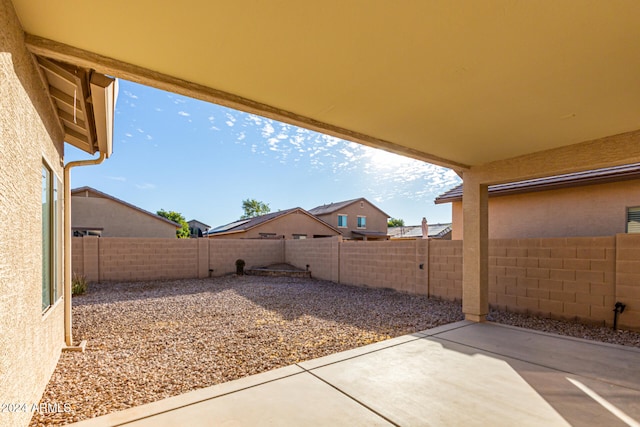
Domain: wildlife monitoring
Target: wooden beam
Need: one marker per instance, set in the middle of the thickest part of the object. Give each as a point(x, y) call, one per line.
point(113, 67)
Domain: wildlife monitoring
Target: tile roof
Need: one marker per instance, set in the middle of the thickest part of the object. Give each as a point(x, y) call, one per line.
point(596, 176)
point(246, 224)
point(334, 207)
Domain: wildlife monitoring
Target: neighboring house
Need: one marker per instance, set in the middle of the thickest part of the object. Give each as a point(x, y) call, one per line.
point(600, 202)
point(197, 228)
point(436, 231)
point(96, 213)
point(293, 223)
point(356, 219)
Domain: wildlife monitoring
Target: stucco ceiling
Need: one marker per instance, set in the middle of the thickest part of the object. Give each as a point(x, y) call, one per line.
point(465, 81)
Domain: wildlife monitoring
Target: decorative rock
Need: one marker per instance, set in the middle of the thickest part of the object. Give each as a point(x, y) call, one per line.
point(148, 341)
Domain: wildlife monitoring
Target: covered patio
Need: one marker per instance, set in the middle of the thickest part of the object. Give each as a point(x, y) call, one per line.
point(464, 373)
point(499, 91)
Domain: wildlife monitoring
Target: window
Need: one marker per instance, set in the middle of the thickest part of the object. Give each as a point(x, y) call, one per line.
point(633, 220)
point(342, 221)
point(299, 236)
point(362, 222)
point(51, 239)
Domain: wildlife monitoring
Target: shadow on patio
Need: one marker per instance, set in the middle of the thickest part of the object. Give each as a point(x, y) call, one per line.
point(458, 374)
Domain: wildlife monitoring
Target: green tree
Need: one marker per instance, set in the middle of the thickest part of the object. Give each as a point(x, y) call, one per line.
point(395, 222)
point(252, 208)
point(181, 233)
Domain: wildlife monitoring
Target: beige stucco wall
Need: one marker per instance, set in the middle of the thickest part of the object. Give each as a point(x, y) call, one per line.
point(376, 220)
point(116, 219)
point(592, 210)
point(30, 342)
point(285, 225)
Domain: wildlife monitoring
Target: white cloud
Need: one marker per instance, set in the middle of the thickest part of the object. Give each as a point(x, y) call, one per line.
point(267, 130)
point(253, 119)
point(183, 114)
point(242, 136)
point(231, 120)
point(149, 137)
point(117, 178)
point(128, 135)
point(130, 95)
point(146, 186)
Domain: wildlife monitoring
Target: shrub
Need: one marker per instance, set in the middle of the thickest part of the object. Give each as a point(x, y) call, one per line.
point(79, 284)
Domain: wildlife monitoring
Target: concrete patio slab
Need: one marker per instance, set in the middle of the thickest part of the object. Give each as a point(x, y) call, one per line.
point(425, 382)
point(459, 374)
point(298, 400)
point(607, 362)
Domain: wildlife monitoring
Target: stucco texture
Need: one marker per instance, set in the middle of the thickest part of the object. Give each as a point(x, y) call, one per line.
point(30, 341)
point(116, 219)
point(591, 210)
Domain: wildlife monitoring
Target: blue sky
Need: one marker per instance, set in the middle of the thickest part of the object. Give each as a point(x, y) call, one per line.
point(176, 153)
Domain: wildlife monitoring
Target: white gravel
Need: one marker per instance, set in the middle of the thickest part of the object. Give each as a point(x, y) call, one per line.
point(148, 341)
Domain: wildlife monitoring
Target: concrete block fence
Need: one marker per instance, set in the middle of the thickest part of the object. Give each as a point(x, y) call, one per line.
point(570, 278)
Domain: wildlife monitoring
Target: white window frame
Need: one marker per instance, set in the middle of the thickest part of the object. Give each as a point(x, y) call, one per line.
point(633, 220)
point(51, 199)
point(346, 220)
point(365, 222)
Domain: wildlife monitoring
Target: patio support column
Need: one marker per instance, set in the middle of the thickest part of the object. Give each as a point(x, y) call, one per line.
point(475, 270)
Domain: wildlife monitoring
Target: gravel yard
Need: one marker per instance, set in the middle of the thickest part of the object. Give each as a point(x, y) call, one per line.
point(148, 341)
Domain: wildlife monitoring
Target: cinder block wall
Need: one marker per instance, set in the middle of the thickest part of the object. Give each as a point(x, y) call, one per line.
point(445, 269)
point(386, 264)
point(128, 259)
point(628, 279)
point(321, 255)
point(223, 253)
point(558, 277)
point(578, 278)
point(572, 278)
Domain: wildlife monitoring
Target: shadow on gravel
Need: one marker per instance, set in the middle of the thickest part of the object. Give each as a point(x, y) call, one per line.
point(292, 299)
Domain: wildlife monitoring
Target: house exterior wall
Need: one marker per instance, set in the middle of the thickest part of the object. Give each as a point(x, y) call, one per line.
point(116, 219)
point(30, 342)
point(285, 225)
point(591, 210)
point(376, 220)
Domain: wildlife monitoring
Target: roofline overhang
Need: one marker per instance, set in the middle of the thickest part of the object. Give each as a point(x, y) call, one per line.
point(83, 101)
point(104, 94)
point(113, 67)
point(537, 185)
